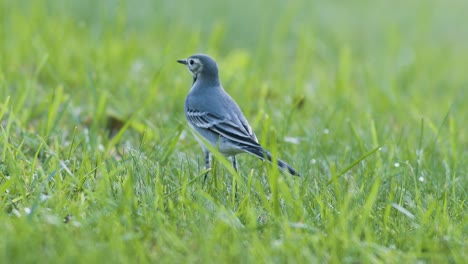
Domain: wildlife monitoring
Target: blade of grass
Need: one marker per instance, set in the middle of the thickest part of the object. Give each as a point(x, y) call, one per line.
point(350, 166)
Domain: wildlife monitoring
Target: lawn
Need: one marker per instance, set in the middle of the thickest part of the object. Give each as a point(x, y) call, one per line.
point(367, 99)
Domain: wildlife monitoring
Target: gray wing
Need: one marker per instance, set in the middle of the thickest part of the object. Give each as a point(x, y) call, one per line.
point(238, 133)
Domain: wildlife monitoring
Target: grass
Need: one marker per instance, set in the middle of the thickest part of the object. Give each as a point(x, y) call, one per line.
point(366, 98)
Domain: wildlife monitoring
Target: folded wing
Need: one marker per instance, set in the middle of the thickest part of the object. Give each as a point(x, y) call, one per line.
point(238, 133)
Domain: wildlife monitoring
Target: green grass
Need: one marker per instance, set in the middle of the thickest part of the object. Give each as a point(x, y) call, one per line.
point(323, 83)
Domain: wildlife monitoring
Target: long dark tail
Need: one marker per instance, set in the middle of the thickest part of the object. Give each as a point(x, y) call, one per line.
point(265, 155)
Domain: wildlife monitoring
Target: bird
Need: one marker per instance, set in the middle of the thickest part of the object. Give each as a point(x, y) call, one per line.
point(214, 116)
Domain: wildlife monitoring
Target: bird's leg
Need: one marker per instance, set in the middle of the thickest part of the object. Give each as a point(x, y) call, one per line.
point(234, 163)
point(207, 156)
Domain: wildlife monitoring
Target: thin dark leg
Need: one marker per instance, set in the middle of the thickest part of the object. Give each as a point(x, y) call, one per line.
point(207, 156)
point(234, 181)
point(234, 162)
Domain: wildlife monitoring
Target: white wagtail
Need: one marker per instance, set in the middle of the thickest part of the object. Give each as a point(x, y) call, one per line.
point(216, 117)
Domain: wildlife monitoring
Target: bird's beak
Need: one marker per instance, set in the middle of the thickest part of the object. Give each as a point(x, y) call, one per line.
point(182, 62)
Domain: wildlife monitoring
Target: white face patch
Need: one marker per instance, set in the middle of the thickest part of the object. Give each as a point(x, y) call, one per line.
point(194, 65)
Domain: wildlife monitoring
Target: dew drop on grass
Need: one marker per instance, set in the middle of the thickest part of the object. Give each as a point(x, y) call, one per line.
point(183, 135)
point(44, 197)
point(136, 69)
point(277, 243)
point(293, 140)
point(16, 212)
point(27, 210)
point(52, 219)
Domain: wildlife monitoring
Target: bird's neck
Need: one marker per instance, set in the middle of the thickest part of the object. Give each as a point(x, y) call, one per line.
point(209, 81)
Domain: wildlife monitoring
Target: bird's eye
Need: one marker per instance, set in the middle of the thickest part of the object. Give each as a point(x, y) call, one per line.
point(191, 62)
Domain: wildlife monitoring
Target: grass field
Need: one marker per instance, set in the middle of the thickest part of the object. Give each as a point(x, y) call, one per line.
point(368, 99)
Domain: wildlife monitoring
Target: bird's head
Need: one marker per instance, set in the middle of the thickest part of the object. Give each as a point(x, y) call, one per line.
point(201, 66)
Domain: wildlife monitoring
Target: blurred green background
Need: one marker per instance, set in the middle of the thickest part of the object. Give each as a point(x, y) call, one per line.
point(323, 83)
point(370, 49)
